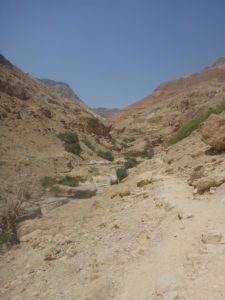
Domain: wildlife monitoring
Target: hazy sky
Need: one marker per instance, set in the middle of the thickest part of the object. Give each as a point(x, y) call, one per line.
point(112, 52)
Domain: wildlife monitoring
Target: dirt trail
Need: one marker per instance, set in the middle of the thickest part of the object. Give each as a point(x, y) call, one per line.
point(146, 245)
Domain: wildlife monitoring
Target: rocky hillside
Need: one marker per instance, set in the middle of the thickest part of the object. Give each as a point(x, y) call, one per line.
point(32, 115)
point(105, 112)
point(62, 89)
point(159, 115)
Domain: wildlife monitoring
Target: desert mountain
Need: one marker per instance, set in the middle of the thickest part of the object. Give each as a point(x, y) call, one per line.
point(105, 112)
point(65, 90)
point(158, 116)
point(62, 88)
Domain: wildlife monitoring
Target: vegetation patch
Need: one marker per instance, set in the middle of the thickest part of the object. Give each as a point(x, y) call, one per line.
point(131, 162)
point(121, 173)
point(71, 142)
point(106, 155)
point(71, 180)
point(146, 153)
point(187, 129)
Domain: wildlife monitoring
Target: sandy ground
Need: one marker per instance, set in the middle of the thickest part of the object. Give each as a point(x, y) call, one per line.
point(159, 241)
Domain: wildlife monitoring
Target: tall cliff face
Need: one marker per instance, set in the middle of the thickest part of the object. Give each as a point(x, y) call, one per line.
point(157, 116)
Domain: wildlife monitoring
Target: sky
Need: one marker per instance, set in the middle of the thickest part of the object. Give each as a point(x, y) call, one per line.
point(112, 52)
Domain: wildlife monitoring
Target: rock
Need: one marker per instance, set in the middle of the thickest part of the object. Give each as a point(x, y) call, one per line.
point(80, 192)
point(212, 237)
point(52, 254)
point(185, 215)
point(204, 184)
point(124, 191)
point(213, 132)
point(197, 173)
point(144, 179)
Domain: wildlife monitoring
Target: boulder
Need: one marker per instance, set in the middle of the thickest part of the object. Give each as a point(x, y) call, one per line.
point(204, 184)
point(213, 132)
point(124, 191)
point(144, 179)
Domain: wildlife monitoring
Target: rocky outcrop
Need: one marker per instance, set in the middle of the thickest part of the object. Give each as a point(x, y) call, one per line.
point(213, 132)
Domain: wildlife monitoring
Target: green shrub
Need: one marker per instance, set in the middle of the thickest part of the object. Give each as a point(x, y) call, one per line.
point(131, 163)
point(146, 153)
point(73, 148)
point(187, 129)
point(71, 180)
point(69, 137)
point(71, 142)
point(106, 155)
point(88, 144)
point(121, 173)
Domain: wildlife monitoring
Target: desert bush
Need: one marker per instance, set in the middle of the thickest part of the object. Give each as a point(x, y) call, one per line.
point(121, 173)
point(12, 197)
point(192, 125)
point(73, 148)
point(71, 142)
point(71, 180)
point(146, 153)
point(69, 137)
point(131, 162)
point(106, 155)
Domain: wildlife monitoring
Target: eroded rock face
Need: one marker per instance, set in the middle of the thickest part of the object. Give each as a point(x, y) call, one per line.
point(213, 132)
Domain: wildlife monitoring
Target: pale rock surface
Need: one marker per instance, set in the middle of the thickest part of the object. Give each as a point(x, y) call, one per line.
point(213, 132)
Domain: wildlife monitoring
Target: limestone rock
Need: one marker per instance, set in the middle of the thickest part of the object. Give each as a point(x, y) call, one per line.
point(197, 173)
point(212, 237)
point(124, 191)
point(213, 132)
point(204, 184)
point(144, 179)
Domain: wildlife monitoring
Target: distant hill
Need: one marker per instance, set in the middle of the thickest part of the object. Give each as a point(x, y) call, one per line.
point(62, 88)
point(105, 112)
